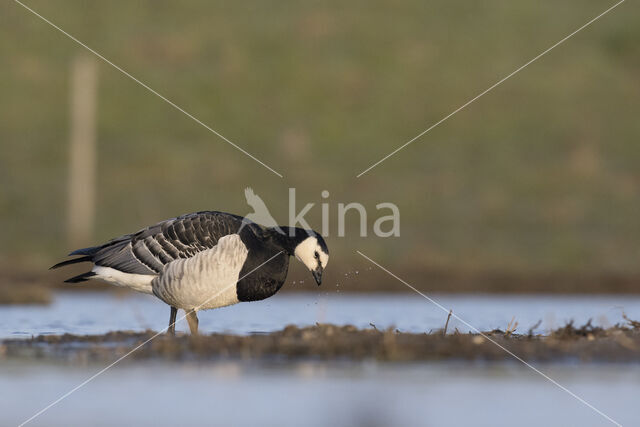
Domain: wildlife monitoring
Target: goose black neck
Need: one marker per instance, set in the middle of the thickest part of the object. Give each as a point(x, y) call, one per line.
point(290, 237)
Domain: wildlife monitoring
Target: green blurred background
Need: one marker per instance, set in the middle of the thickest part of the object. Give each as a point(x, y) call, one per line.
point(534, 187)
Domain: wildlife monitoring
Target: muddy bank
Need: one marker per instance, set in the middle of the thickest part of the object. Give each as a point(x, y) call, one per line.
point(329, 342)
point(25, 293)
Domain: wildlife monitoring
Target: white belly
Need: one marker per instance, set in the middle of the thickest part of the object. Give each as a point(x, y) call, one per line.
point(206, 280)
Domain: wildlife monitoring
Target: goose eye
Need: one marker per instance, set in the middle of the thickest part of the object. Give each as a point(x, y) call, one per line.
point(316, 256)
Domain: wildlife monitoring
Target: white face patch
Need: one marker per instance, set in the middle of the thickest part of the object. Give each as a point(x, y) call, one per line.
point(306, 253)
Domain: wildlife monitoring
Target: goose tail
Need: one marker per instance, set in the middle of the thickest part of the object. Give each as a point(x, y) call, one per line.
point(81, 277)
point(70, 261)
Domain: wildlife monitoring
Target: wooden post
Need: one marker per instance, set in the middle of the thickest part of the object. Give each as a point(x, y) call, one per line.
point(82, 151)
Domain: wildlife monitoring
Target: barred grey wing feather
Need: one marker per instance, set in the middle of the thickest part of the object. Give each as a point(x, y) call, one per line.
point(149, 250)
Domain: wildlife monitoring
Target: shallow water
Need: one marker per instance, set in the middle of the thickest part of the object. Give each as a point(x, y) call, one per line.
point(97, 313)
point(311, 394)
point(227, 392)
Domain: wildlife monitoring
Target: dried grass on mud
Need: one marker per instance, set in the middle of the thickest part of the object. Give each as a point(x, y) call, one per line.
point(586, 343)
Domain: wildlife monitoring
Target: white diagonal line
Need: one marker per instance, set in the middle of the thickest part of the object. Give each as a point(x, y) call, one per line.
point(490, 88)
point(103, 370)
point(476, 330)
point(168, 101)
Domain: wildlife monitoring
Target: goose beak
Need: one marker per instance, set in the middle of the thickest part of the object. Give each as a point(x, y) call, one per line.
point(317, 274)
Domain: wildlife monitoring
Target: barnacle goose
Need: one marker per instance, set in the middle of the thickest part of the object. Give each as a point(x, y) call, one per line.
point(203, 260)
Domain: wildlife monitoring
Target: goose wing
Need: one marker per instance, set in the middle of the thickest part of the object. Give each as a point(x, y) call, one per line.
point(150, 249)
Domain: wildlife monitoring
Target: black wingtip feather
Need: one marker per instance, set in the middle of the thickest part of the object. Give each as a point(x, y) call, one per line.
point(81, 277)
point(70, 261)
point(85, 251)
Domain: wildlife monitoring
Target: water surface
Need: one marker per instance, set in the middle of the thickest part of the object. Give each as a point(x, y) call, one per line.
point(311, 394)
point(97, 313)
point(228, 392)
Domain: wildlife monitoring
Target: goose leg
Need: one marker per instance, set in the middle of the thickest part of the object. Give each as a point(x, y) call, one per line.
point(172, 321)
point(192, 319)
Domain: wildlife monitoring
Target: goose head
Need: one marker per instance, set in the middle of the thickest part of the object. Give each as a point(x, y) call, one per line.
point(312, 251)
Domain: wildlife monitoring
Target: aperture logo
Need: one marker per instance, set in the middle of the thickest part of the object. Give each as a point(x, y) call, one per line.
point(387, 225)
